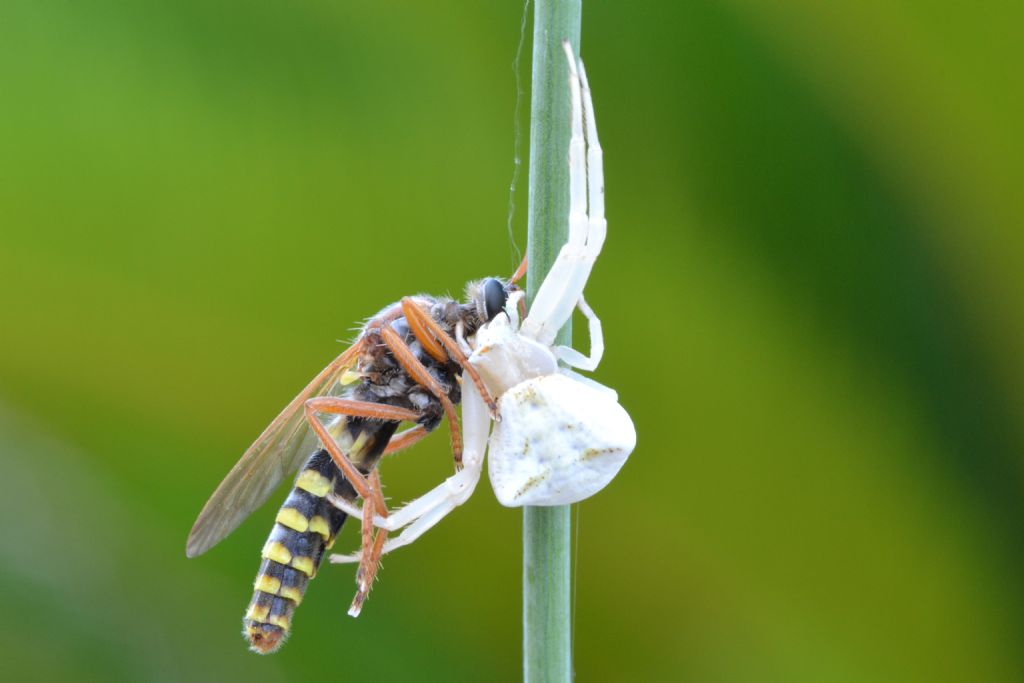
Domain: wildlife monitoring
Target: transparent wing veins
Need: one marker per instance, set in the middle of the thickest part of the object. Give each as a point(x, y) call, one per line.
point(279, 450)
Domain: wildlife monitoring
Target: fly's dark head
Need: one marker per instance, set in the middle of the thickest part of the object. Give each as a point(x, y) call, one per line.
point(489, 296)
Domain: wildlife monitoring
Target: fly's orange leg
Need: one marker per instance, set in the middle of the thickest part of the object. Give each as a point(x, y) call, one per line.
point(368, 488)
point(372, 546)
point(399, 442)
point(405, 439)
point(371, 506)
point(425, 334)
point(342, 406)
point(412, 365)
point(520, 272)
point(424, 327)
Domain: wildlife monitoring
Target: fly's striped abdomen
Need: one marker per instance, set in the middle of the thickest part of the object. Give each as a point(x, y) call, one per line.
point(305, 528)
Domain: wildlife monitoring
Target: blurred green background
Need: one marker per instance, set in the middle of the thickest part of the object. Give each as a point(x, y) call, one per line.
point(811, 294)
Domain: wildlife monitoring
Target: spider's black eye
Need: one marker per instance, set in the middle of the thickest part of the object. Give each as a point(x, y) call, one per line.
point(494, 297)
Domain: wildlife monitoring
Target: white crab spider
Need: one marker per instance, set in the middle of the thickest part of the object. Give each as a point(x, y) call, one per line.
point(562, 437)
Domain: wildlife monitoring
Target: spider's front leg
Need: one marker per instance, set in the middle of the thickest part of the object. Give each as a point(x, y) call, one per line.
point(563, 287)
point(421, 514)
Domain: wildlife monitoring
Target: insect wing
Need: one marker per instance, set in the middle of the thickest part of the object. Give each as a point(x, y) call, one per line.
point(278, 452)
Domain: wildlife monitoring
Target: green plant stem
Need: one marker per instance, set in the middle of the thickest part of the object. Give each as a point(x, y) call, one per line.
point(547, 613)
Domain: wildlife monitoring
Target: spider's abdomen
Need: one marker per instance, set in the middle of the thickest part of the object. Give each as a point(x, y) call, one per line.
point(559, 441)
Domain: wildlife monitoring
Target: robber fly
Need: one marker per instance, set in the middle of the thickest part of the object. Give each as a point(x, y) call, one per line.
point(405, 366)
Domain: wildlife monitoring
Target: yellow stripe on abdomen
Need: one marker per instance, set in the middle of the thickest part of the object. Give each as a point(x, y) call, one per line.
point(303, 528)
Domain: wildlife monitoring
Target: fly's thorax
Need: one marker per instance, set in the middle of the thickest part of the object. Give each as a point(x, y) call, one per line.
point(448, 313)
point(386, 380)
point(504, 358)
